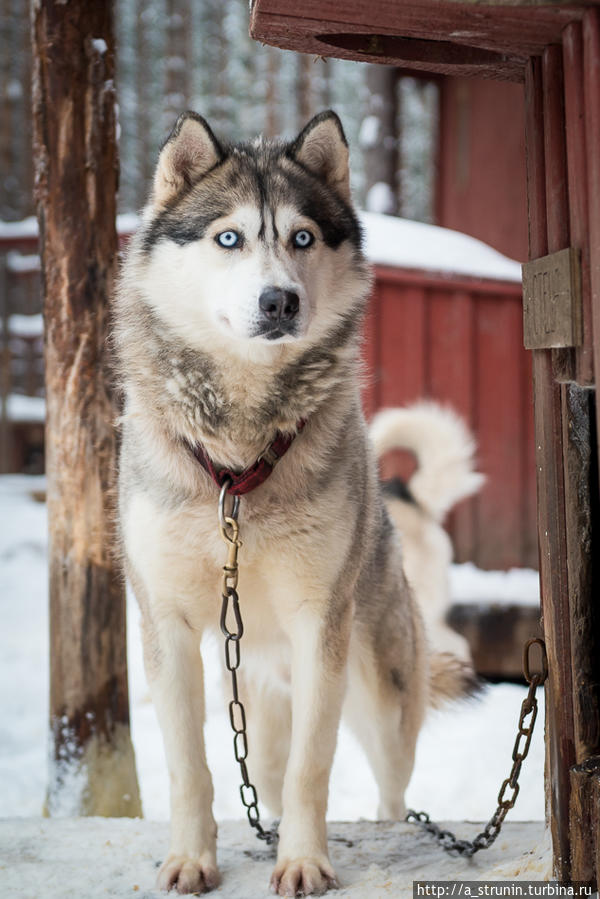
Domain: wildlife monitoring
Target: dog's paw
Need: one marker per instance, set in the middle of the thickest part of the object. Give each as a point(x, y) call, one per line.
point(303, 877)
point(187, 875)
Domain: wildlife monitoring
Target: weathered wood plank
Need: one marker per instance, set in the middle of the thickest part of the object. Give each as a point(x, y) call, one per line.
point(581, 504)
point(577, 187)
point(498, 349)
point(324, 28)
point(496, 633)
point(92, 768)
point(402, 360)
point(552, 301)
point(591, 86)
point(451, 379)
point(551, 507)
point(584, 817)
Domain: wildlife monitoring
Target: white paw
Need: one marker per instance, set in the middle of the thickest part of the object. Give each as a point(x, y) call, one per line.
point(303, 877)
point(188, 875)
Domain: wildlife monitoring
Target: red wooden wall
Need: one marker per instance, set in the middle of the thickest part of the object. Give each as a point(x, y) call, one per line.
point(460, 341)
point(481, 184)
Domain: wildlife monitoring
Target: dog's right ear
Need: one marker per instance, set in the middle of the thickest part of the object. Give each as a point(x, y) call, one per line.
point(190, 151)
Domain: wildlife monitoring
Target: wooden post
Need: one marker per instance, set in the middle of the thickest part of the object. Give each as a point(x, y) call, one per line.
point(92, 767)
point(544, 187)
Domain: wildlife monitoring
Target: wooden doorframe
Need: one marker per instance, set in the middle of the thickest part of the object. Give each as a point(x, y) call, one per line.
point(562, 98)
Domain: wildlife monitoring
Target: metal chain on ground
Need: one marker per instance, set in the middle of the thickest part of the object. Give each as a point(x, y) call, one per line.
point(448, 841)
point(229, 529)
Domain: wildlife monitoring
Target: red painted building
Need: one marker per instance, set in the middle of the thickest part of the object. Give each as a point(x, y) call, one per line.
point(481, 184)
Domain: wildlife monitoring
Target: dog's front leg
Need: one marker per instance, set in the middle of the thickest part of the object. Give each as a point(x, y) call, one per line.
point(318, 681)
point(175, 675)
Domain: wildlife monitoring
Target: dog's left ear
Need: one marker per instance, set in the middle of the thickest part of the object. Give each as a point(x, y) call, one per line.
point(322, 148)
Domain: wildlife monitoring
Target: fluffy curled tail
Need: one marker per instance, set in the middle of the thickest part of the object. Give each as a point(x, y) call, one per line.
point(451, 678)
point(444, 449)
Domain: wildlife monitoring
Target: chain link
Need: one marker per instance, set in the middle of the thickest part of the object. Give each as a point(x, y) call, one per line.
point(229, 529)
point(448, 841)
point(233, 632)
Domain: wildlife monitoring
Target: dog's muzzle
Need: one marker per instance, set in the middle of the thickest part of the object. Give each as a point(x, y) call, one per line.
point(279, 309)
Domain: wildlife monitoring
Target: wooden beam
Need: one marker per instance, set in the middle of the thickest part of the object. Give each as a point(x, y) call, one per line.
point(581, 504)
point(429, 35)
point(585, 819)
point(550, 488)
point(92, 769)
point(577, 187)
point(591, 96)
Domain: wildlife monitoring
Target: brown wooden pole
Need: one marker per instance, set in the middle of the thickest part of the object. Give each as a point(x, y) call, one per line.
point(544, 187)
point(92, 767)
point(591, 85)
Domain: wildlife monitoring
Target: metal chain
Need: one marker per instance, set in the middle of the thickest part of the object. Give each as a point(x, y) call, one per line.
point(229, 528)
point(448, 841)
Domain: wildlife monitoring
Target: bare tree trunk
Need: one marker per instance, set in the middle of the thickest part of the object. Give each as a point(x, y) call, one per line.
point(272, 97)
point(304, 102)
point(323, 67)
point(144, 105)
point(11, 96)
point(92, 766)
point(177, 68)
point(23, 137)
point(379, 140)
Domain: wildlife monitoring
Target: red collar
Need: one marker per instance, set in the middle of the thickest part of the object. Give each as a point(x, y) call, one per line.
point(257, 473)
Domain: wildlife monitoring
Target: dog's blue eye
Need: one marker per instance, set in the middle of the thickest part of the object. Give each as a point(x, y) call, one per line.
point(228, 239)
point(303, 239)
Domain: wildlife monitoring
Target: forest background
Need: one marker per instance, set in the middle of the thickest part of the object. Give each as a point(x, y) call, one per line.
point(173, 55)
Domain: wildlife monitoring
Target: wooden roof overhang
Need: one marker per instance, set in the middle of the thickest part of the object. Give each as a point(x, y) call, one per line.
point(492, 40)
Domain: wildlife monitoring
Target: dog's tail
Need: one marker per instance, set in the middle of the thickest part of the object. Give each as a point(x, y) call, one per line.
point(443, 447)
point(451, 679)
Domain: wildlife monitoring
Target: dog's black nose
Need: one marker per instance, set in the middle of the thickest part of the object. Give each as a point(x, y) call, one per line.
point(279, 305)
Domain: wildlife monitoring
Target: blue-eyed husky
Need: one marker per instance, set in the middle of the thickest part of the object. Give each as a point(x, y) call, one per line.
point(238, 322)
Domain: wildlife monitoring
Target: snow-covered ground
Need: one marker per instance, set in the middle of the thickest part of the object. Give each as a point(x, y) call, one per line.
point(104, 858)
point(464, 752)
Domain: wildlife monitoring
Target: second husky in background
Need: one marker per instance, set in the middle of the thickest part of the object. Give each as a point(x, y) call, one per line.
point(444, 450)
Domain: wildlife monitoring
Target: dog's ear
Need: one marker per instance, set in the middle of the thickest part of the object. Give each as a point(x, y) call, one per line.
point(322, 148)
point(190, 151)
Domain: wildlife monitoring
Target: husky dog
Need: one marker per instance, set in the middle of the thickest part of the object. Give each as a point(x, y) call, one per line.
point(445, 474)
point(238, 323)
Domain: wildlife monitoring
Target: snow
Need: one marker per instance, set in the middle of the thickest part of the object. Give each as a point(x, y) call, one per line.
point(25, 408)
point(400, 242)
point(99, 45)
point(25, 228)
point(13, 90)
point(369, 132)
point(21, 262)
point(127, 222)
point(517, 586)
point(25, 325)
point(380, 198)
point(100, 858)
point(477, 737)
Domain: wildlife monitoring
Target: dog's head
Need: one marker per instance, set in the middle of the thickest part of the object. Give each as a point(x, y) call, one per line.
point(256, 243)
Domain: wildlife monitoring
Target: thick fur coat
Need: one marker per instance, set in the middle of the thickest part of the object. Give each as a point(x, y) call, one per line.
point(206, 357)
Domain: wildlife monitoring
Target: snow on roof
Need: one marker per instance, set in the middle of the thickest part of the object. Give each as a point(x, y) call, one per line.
point(405, 244)
point(25, 228)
